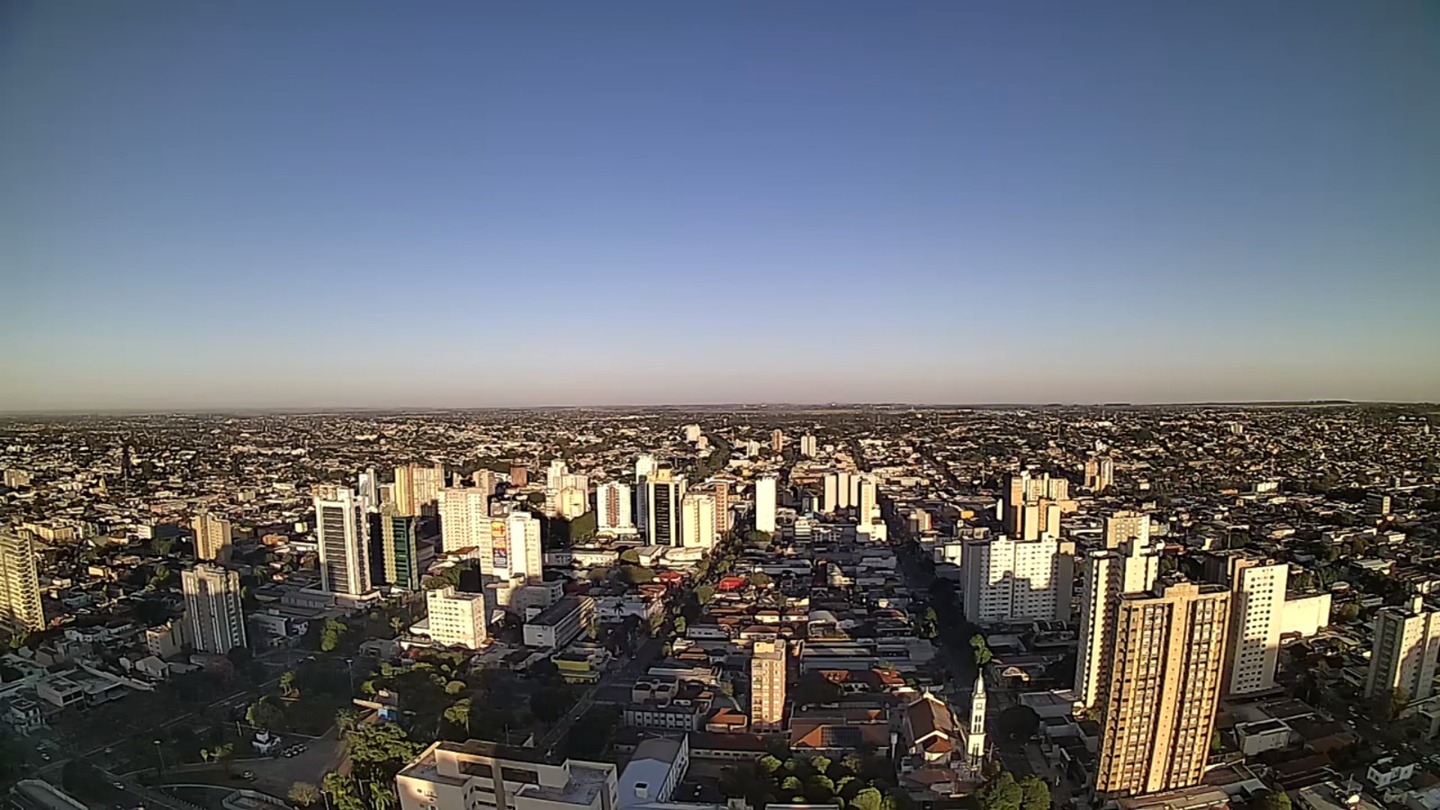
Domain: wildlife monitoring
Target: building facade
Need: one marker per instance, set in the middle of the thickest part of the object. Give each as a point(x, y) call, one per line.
point(399, 548)
point(1009, 580)
point(456, 619)
point(417, 487)
point(767, 685)
point(212, 537)
point(342, 534)
point(20, 606)
point(1159, 710)
point(663, 491)
point(697, 520)
point(478, 775)
point(464, 518)
point(1402, 658)
point(213, 615)
point(613, 508)
point(765, 503)
point(1130, 563)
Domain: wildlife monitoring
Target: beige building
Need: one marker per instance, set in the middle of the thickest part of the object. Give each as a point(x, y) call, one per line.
point(767, 685)
point(464, 518)
point(697, 520)
point(215, 622)
point(212, 537)
point(456, 619)
point(20, 607)
point(477, 775)
point(417, 487)
point(1032, 505)
point(1007, 580)
point(1165, 684)
point(1402, 660)
point(1099, 473)
point(1129, 563)
point(777, 440)
point(613, 512)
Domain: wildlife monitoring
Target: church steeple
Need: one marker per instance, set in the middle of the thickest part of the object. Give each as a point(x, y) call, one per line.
point(975, 734)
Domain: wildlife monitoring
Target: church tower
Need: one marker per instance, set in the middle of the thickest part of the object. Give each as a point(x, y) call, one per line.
point(975, 734)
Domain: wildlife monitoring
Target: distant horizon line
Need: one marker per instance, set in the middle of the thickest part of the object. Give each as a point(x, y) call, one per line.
point(796, 406)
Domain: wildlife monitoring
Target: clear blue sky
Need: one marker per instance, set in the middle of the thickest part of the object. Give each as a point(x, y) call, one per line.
point(470, 204)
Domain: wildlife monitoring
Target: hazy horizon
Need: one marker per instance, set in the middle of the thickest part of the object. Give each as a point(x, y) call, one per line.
point(355, 205)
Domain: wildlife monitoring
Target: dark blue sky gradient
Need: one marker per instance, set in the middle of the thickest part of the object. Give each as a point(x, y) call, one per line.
point(316, 204)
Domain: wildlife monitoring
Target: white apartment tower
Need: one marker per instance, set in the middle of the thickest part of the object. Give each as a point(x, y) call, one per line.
point(697, 520)
point(213, 616)
point(341, 532)
point(519, 552)
point(212, 537)
point(1402, 660)
point(1257, 615)
point(20, 607)
point(765, 503)
point(417, 487)
point(866, 506)
point(456, 619)
point(1130, 563)
point(612, 508)
point(464, 518)
point(809, 446)
point(1018, 580)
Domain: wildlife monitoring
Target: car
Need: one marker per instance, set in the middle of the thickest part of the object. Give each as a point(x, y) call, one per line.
point(118, 785)
point(44, 756)
point(248, 776)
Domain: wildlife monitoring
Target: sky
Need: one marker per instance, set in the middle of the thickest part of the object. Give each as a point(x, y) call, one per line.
point(469, 204)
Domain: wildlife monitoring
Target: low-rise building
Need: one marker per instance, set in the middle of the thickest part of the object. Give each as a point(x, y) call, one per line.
point(476, 774)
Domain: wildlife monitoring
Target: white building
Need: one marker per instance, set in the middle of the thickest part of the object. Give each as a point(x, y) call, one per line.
point(1257, 615)
point(517, 551)
point(477, 775)
point(612, 508)
point(216, 622)
point(867, 508)
point(464, 519)
point(809, 447)
point(765, 503)
point(212, 537)
point(456, 619)
point(1407, 640)
point(341, 532)
point(20, 606)
point(1130, 563)
point(1018, 581)
point(654, 771)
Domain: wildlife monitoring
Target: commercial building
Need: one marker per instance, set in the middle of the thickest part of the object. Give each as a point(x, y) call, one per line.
point(417, 487)
point(456, 619)
point(477, 775)
point(1159, 709)
point(215, 621)
point(464, 518)
point(765, 503)
point(212, 537)
point(697, 523)
point(1008, 580)
point(1129, 563)
point(399, 548)
point(767, 685)
point(561, 623)
point(1402, 660)
point(613, 508)
point(341, 533)
point(663, 491)
point(20, 607)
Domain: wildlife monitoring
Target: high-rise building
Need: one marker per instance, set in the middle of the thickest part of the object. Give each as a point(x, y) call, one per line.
point(515, 548)
point(342, 533)
point(645, 467)
point(721, 489)
point(1031, 505)
point(456, 619)
point(697, 522)
point(765, 503)
point(399, 549)
point(777, 440)
point(663, 491)
point(612, 508)
point(1129, 563)
point(483, 479)
point(519, 475)
point(1159, 709)
point(809, 447)
point(20, 606)
point(213, 616)
point(417, 487)
point(464, 518)
point(830, 495)
point(1257, 616)
point(767, 685)
point(1009, 580)
point(1402, 659)
point(866, 506)
point(1099, 473)
point(212, 537)
point(368, 489)
point(692, 433)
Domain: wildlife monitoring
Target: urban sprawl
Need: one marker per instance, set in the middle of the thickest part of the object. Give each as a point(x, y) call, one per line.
point(869, 608)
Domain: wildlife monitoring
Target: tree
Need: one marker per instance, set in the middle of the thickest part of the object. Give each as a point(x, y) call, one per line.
point(454, 687)
point(755, 537)
point(1034, 793)
point(981, 650)
point(769, 763)
point(630, 557)
point(346, 720)
point(1271, 800)
point(760, 579)
point(240, 658)
point(343, 792)
point(287, 682)
point(457, 714)
point(1001, 793)
point(868, 799)
point(680, 625)
point(636, 574)
point(1348, 612)
point(303, 794)
point(331, 635)
point(791, 784)
point(704, 594)
point(1017, 723)
point(264, 714)
point(396, 624)
point(852, 763)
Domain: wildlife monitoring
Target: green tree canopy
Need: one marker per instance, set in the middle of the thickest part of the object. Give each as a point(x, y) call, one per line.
point(1271, 800)
point(303, 794)
point(868, 799)
point(1034, 793)
point(1001, 793)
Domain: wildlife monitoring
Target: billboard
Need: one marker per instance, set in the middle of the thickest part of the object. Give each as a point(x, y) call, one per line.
point(499, 545)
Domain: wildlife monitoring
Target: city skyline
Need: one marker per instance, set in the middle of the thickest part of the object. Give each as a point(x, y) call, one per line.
point(357, 206)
